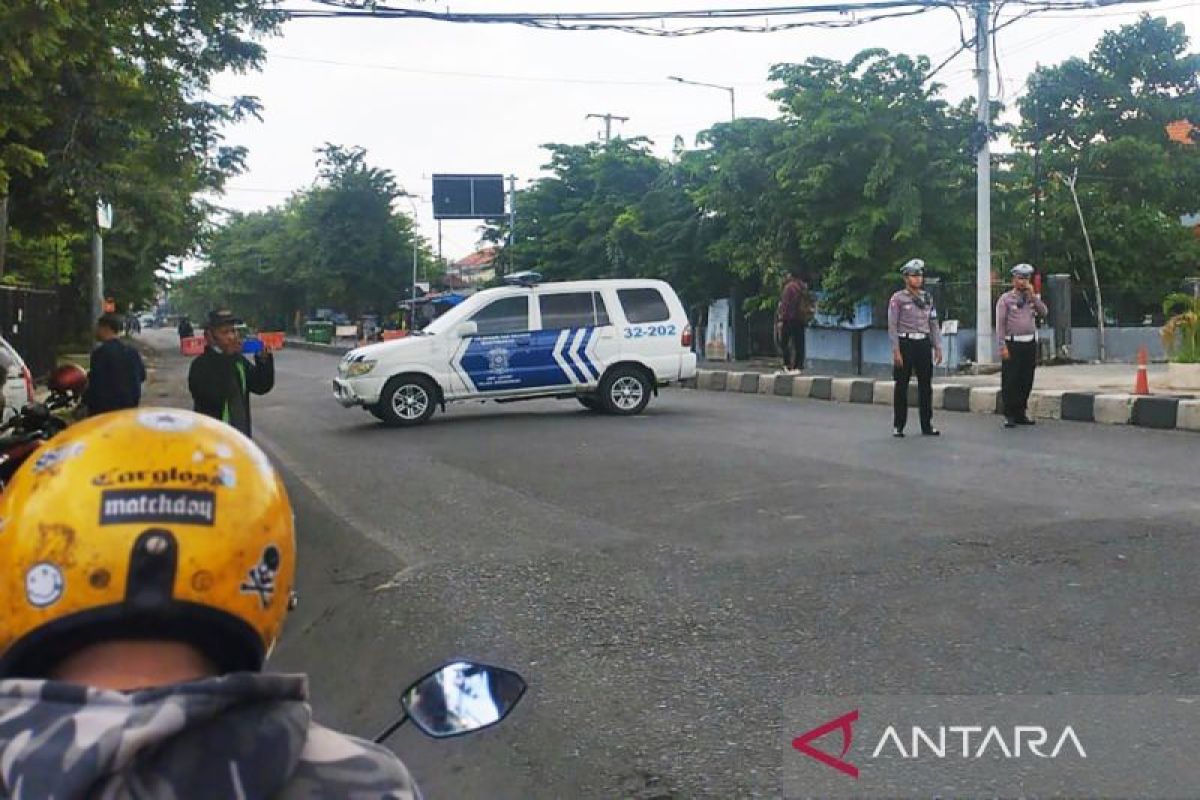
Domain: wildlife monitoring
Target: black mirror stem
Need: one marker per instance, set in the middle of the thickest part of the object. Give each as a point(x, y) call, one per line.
point(390, 729)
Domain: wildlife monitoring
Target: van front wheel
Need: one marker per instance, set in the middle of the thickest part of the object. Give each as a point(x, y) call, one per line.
point(625, 391)
point(407, 400)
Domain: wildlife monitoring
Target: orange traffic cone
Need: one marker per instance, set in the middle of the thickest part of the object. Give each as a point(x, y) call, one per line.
point(1142, 384)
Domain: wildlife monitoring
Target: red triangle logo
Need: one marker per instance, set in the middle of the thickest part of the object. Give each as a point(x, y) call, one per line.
point(844, 723)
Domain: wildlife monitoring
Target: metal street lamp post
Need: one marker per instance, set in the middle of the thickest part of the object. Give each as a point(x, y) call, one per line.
point(732, 101)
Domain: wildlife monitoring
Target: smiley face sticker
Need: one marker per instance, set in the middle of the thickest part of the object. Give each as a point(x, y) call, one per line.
point(44, 584)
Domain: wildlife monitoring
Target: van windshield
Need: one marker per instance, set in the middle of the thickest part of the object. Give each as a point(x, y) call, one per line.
point(446, 321)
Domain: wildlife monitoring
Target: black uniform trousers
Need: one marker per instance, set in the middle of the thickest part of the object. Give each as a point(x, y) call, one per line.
point(917, 355)
point(791, 343)
point(1016, 377)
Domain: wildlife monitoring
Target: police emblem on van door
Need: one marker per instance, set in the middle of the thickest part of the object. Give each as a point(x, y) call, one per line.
point(498, 360)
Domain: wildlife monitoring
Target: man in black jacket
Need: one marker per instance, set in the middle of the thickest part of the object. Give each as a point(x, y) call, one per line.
point(116, 374)
point(221, 379)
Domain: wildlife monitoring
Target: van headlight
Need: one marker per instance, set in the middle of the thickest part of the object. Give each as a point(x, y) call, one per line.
point(359, 368)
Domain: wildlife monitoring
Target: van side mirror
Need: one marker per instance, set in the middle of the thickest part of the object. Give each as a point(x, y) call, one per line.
point(468, 329)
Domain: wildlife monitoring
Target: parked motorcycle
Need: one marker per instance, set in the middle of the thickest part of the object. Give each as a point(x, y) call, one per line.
point(22, 435)
point(458, 698)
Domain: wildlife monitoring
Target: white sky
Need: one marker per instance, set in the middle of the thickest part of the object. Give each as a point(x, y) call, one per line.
point(425, 97)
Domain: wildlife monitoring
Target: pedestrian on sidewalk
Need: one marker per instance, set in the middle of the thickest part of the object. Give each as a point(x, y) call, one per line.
point(116, 373)
point(221, 379)
point(791, 318)
point(1016, 331)
point(916, 347)
point(185, 329)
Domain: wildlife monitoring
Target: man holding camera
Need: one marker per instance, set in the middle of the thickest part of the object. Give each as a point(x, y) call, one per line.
point(222, 379)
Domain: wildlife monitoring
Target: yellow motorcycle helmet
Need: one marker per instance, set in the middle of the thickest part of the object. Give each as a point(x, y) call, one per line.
point(147, 523)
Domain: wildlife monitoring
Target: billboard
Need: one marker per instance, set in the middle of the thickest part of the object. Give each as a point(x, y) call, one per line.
point(468, 196)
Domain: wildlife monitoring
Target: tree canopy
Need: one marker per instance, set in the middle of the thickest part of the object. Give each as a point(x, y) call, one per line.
point(109, 99)
point(339, 244)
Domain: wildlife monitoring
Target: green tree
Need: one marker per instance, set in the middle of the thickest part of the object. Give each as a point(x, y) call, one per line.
point(107, 99)
point(1105, 118)
point(874, 168)
point(340, 243)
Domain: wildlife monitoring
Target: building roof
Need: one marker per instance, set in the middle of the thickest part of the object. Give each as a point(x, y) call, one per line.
point(479, 259)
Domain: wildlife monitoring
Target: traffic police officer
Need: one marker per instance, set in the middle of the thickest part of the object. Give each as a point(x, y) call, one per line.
point(1016, 332)
point(916, 346)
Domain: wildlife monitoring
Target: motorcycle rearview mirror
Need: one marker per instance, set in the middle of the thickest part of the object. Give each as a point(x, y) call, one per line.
point(458, 698)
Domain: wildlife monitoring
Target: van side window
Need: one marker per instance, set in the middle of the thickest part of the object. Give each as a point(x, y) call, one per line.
point(507, 315)
point(572, 310)
point(643, 305)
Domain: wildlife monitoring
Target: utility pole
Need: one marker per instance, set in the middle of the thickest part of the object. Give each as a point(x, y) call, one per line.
point(103, 223)
point(1037, 179)
point(608, 120)
point(983, 197)
point(413, 232)
point(512, 218)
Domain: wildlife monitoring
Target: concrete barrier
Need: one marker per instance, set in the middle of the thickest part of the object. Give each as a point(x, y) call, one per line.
point(1113, 409)
point(985, 400)
point(783, 385)
point(718, 380)
point(766, 383)
point(1046, 404)
point(1187, 416)
point(822, 389)
point(1079, 406)
point(1155, 412)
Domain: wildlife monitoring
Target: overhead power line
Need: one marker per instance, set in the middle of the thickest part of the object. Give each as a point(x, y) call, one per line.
point(658, 23)
point(653, 23)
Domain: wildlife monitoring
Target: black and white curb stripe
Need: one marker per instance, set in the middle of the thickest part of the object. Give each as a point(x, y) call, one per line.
point(1164, 413)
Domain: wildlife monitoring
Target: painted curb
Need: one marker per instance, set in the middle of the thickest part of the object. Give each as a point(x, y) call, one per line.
point(1079, 406)
point(822, 389)
point(1161, 413)
point(1155, 412)
point(1188, 415)
point(984, 400)
point(1113, 409)
point(1046, 403)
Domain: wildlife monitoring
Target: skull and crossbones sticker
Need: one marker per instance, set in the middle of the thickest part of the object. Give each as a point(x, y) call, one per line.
point(260, 579)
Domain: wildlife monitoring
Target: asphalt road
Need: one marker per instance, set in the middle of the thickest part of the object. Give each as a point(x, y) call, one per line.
point(667, 583)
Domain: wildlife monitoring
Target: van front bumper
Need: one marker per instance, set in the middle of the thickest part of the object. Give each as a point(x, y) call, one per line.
point(350, 393)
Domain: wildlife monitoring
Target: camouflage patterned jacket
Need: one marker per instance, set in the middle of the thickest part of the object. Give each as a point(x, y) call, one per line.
point(242, 736)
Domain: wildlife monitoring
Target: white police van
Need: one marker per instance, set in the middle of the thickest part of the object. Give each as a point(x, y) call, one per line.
point(607, 343)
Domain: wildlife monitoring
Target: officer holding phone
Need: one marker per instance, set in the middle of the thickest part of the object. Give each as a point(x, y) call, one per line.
point(1017, 312)
point(222, 379)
